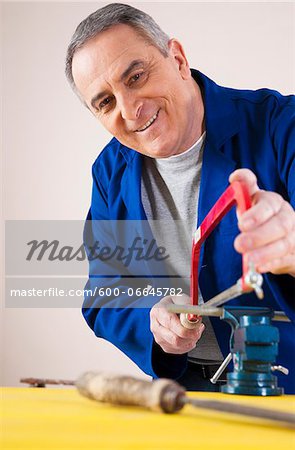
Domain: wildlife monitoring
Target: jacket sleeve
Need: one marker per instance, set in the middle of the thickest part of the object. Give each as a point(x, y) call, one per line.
point(282, 131)
point(110, 312)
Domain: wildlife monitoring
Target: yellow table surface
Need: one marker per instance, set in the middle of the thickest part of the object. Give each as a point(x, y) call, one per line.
point(38, 418)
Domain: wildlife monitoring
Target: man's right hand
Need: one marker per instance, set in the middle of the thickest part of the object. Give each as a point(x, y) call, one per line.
point(167, 329)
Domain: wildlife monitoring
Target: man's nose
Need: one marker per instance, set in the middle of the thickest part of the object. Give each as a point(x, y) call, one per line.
point(130, 106)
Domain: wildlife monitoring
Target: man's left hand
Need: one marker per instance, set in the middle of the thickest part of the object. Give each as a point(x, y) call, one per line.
point(267, 229)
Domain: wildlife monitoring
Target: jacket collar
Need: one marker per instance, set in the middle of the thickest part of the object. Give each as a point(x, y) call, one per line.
point(221, 119)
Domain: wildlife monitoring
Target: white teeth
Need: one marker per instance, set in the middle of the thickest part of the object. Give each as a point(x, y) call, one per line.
point(148, 123)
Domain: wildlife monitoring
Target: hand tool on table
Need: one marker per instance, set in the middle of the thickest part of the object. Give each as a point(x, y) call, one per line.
point(160, 395)
point(254, 341)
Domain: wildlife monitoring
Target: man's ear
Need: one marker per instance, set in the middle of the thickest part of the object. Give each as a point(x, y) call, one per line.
point(177, 53)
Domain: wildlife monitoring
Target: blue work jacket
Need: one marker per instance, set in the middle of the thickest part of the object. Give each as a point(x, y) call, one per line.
point(244, 129)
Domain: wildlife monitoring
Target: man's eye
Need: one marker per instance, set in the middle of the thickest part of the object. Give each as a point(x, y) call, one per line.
point(135, 78)
point(105, 102)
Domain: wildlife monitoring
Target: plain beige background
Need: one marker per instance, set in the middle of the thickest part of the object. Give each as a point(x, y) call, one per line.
point(50, 140)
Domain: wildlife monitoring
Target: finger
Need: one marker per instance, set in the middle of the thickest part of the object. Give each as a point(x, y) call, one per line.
point(280, 226)
point(168, 339)
point(265, 206)
point(171, 343)
point(247, 177)
point(182, 299)
point(278, 266)
point(278, 249)
point(172, 322)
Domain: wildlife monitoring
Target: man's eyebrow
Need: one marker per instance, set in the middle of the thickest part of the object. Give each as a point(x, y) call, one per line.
point(133, 65)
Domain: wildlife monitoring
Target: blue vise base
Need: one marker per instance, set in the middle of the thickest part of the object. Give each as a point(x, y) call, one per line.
point(254, 348)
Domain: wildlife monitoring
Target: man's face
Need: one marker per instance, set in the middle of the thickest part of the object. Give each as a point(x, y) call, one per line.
point(147, 101)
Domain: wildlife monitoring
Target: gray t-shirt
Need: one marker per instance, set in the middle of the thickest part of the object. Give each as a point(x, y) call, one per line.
point(170, 191)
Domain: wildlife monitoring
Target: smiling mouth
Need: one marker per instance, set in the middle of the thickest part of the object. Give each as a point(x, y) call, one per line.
point(148, 123)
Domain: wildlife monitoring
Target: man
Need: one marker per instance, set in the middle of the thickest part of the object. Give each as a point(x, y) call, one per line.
point(178, 139)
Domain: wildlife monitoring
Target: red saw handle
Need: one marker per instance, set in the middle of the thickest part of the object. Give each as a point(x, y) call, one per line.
point(237, 193)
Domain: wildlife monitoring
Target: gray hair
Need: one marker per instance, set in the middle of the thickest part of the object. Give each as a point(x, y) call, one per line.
point(105, 18)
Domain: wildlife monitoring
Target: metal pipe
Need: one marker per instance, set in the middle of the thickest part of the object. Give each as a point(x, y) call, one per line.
point(203, 310)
